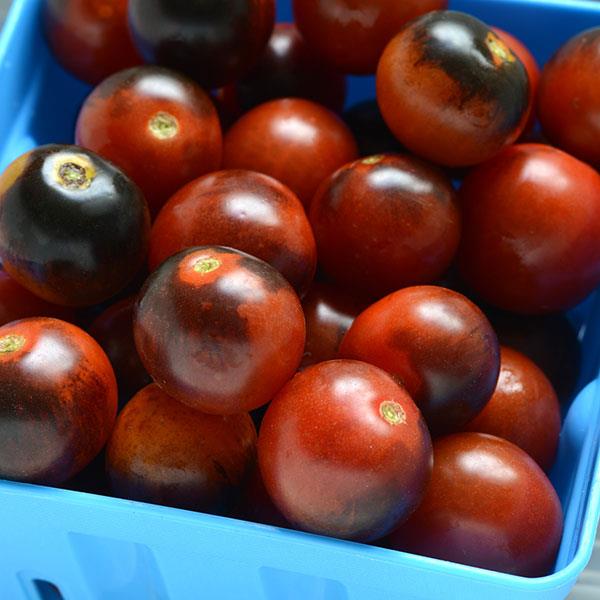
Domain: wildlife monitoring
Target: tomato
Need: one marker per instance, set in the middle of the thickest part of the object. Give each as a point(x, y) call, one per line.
point(451, 90)
point(243, 210)
point(531, 230)
point(73, 228)
point(385, 222)
point(157, 125)
point(219, 330)
point(164, 452)
point(435, 342)
point(344, 451)
point(488, 505)
point(296, 141)
point(58, 401)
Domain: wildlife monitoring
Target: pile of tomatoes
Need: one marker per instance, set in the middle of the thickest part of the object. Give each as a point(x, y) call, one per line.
point(244, 256)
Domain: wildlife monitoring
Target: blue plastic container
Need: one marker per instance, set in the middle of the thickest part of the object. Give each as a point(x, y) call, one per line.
point(92, 547)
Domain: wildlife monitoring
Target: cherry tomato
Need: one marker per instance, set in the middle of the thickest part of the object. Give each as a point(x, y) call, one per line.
point(73, 228)
point(435, 342)
point(344, 451)
point(488, 505)
point(289, 68)
point(531, 230)
point(164, 452)
point(385, 222)
point(350, 35)
point(212, 42)
point(18, 303)
point(524, 409)
point(244, 210)
point(219, 329)
point(113, 330)
point(157, 125)
point(296, 141)
point(329, 312)
point(451, 90)
point(90, 38)
point(569, 97)
point(58, 400)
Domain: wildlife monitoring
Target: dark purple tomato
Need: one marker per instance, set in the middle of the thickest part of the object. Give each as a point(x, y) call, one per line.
point(344, 451)
point(73, 228)
point(16, 303)
point(288, 68)
point(245, 210)
point(214, 42)
point(488, 505)
point(90, 38)
point(350, 35)
point(158, 126)
point(58, 400)
point(523, 409)
point(329, 312)
point(435, 342)
point(385, 222)
point(164, 452)
point(219, 330)
point(298, 142)
point(531, 230)
point(569, 97)
point(451, 90)
point(113, 330)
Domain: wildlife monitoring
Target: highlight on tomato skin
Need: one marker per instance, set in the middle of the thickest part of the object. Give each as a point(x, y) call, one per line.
point(73, 227)
point(90, 38)
point(58, 401)
point(343, 451)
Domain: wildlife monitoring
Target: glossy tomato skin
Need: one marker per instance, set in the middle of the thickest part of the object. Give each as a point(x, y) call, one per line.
point(245, 210)
point(435, 342)
point(531, 217)
point(344, 451)
point(58, 401)
point(329, 313)
point(288, 68)
point(158, 126)
point(113, 330)
point(16, 303)
point(532, 68)
point(212, 42)
point(550, 341)
point(569, 98)
point(523, 409)
point(296, 141)
point(485, 490)
point(164, 452)
point(385, 222)
point(73, 228)
point(350, 35)
point(219, 329)
point(451, 90)
point(370, 131)
point(90, 38)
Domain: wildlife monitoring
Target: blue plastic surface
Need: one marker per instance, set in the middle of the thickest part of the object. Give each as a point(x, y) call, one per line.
point(94, 547)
